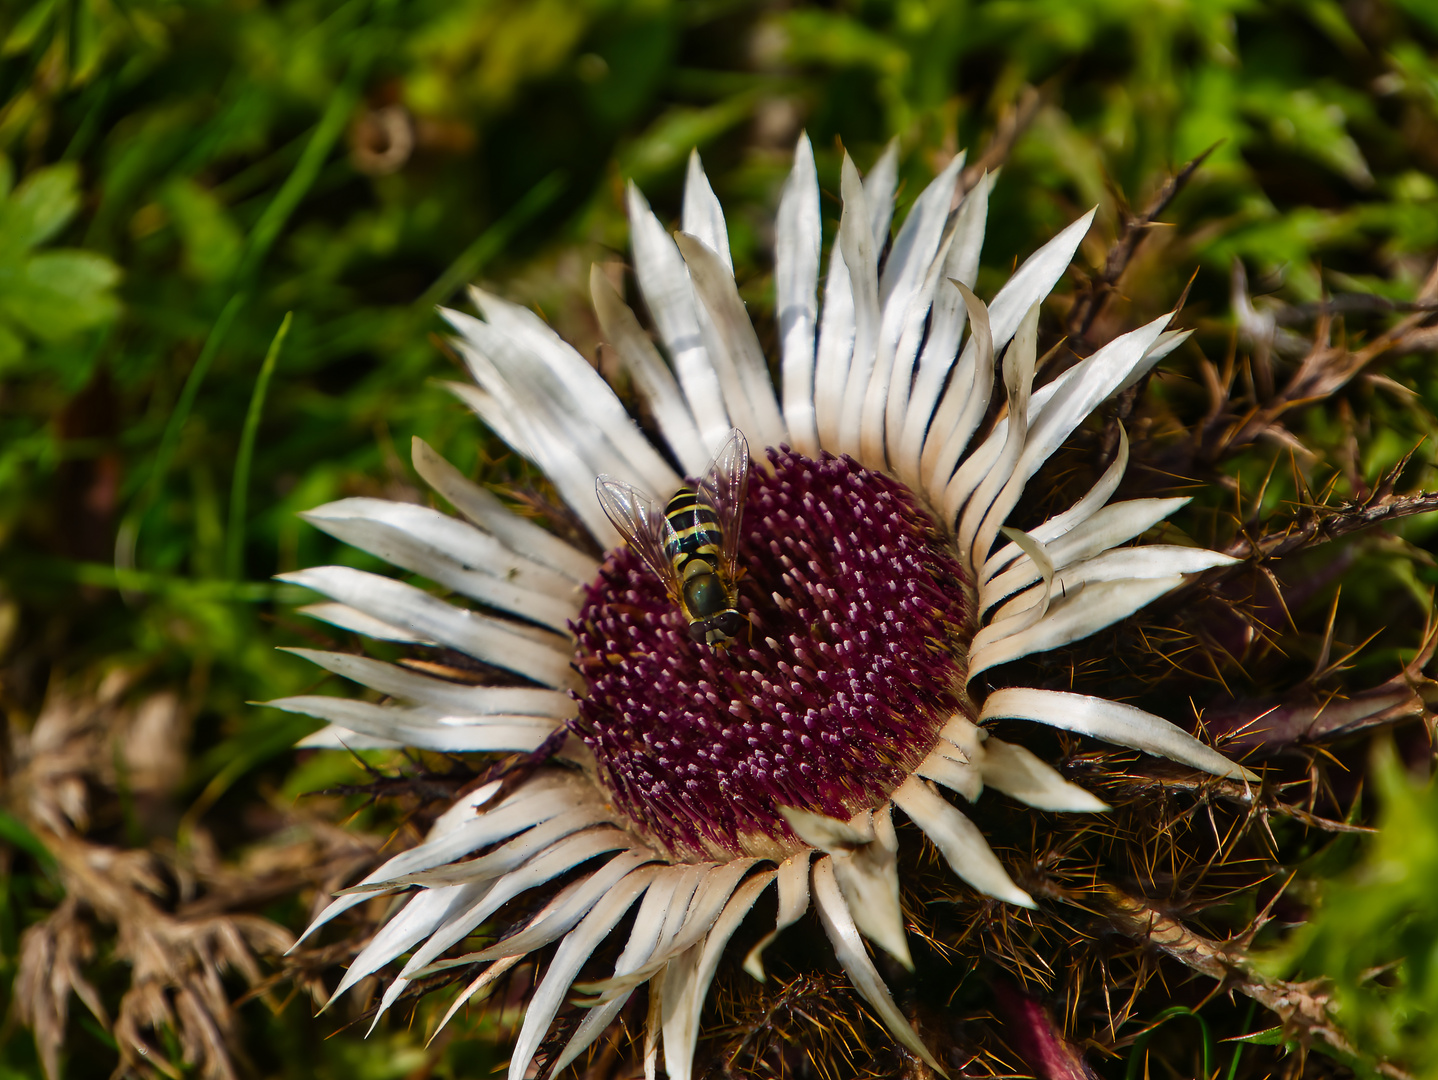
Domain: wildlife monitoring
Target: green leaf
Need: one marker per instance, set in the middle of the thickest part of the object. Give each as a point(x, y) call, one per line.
point(62, 293)
point(12, 348)
point(840, 41)
point(213, 242)
point(44, 202)
point(1268, 1037)
point(28, 27)
point(669, 139)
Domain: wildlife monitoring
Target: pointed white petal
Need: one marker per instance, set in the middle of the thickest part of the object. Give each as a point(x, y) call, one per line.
point(867, 873)
point(335, 737)
point(483, 981)
point(701, 215)
point(918, 238)
point(537, 401)
point(559, 859)
point(562, 913)
point(1120, 564)
point(459, 838)
point(1086, 385)
point(838, 924)
point(861, 256)
point(793, 877)
point(978, 526)
point(423, 728)
point(412, 923)
point(357, 622)
point(915, 328)
point(879, 187)
point(439, 694)
point(681, 1012)
point(941, 348)
point(906, 290)
point(963, 777)
point(715, 885)
point(667, 292)
point(449, 538)
point(963, 846)
point(714, 285)
point(680, 976)
point(822, 831)
point(529, 425)
point(835, 350)
point(418, 553)
point(577, 387)
point(1036, 278)
point(527, 842)
point(1016, 771)
point(652, 1025)
point(719, 343)
point(498, 413)
point(544, 659)
point(964, 403)
point(1167, 342)
point(1113, 722)
point(1031, 606)
point(510, 856)
point(797, 241)
point(1092, 501)
point(644, 935)
point(573, 951)
point(1089, 383)
point(1104, 529)
point(1028, 286)
point(1071, 618)
point(651, 375)
point(491, 515)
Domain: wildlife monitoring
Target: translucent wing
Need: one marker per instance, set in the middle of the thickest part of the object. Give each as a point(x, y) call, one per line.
point(642, 524)
point(723, 486)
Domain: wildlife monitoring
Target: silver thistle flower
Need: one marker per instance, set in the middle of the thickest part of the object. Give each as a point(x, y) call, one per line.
point(878, 581)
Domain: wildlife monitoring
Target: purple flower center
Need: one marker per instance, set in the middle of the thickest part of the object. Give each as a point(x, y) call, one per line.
point(855, 656)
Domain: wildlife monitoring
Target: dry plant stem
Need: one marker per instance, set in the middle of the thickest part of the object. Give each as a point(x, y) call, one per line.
point(1132, 229)
point(1320, 524)
point(1013, 120)
point(1303, 1008)
point(1326, 369)
point(1266, 727)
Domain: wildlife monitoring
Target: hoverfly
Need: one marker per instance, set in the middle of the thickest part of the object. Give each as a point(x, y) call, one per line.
point(693, 543)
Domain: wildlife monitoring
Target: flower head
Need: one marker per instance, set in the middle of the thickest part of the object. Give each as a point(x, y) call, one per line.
point(678, 779)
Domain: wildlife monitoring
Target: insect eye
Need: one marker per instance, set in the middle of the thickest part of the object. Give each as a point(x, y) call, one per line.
point(699, 632)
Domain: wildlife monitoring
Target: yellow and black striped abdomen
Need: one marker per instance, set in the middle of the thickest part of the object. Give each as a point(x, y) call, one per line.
point(696, 535)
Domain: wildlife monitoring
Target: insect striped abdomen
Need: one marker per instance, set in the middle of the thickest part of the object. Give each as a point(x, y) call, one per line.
point(696, 533)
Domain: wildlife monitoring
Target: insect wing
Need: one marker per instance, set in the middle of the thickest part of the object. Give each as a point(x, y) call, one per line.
point(642, 525)
point(724, 486)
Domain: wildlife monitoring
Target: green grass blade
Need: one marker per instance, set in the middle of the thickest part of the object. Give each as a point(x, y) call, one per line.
point(240, 485)
point(128, 536)
point(292, 192)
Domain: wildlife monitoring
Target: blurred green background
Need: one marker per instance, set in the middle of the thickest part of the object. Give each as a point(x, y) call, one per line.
point(178, 177)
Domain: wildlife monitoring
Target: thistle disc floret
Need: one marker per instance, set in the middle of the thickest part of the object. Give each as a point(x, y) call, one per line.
point(859, 616)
